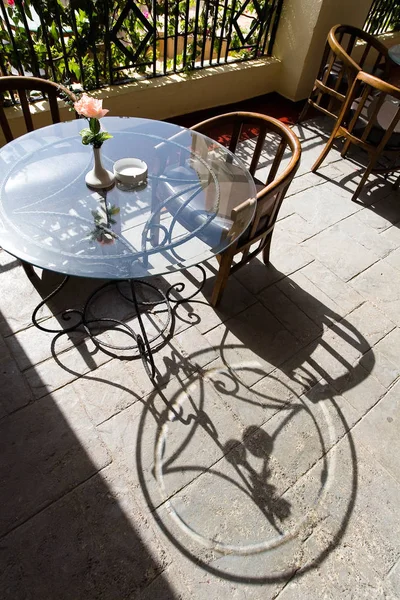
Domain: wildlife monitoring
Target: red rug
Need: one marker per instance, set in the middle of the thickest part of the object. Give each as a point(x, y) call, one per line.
point(272, 105)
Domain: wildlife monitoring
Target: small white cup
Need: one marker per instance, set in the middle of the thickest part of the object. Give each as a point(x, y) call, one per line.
point(130, 171)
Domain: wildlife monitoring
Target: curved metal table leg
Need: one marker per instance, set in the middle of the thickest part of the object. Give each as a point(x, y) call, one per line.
point(143, 342)
point(180, 286)
point(143, 345)
point(66, 315)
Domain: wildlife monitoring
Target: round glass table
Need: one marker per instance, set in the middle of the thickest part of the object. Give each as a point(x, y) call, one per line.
point(198, 199)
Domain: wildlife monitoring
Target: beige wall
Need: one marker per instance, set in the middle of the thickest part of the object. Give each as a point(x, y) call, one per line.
point(174, 95)
point(301, 38)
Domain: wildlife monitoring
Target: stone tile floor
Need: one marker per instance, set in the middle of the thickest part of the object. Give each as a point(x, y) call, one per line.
point(264, 464)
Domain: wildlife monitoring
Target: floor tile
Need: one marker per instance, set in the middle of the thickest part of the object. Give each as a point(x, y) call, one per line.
point(53, 374)
point(379, 284)
point(171, 437)
point(32, 346)
point(48, 448)
point(92, 543)
point(340, 253)
point(394, 259)
point(241, 340)
point(15, 392)
point(323, 206)
point(108, 390)
point(379, 431)
point(288, 313)
point(390, 346)
point(372, 324)
point(286, 258)
point(345, 297)
point(380, 366)
point(365, 235)
point(382, 214)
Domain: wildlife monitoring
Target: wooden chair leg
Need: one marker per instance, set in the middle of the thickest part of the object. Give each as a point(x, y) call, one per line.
point(266, 251)
point(364, 178)
point(345, 148)
point(303, 112)
point(324, 152)
point(225, 264)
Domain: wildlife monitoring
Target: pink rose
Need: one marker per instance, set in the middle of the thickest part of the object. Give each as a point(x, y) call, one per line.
point(90, 107)
point(11, 2)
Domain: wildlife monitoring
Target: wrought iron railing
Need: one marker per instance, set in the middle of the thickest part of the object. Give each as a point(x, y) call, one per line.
point(383, 17)
point(102, 42)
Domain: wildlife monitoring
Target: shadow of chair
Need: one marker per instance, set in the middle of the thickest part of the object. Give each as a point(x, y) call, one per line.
point(370, 120)
point(307, 386)
point(348, 50)
point(265, 131)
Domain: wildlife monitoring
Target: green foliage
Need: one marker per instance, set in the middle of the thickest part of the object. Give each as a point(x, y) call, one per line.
point(72, 43)
point(103, 219)
point(105, 216)
point(383, 19)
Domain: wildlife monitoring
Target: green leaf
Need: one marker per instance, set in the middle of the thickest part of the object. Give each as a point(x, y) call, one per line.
point(53, 31)
point(74, 67)
point(27, 11)
point(82, 16)
point(104, 135)
point(87, 137)
point(85, 131)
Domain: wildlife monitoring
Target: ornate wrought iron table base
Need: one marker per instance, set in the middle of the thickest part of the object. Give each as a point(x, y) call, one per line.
point(143, 344)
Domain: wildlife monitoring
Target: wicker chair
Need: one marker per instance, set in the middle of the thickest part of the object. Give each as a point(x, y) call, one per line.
point(277, 138)
point(371, 121)
point(348, 51)
point(22, 85)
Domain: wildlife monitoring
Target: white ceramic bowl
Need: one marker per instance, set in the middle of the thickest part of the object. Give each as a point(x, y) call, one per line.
point(131, 171)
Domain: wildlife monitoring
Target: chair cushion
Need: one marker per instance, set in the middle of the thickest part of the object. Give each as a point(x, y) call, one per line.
point(344, 84)
point(333, 76)
point(195, 213)
point(377, 131)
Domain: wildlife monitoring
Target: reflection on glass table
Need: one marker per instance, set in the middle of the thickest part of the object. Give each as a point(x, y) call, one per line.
point(46, 211)
point(181, 217)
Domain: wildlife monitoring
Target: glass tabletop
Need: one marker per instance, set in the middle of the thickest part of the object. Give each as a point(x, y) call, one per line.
point(186, 212)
